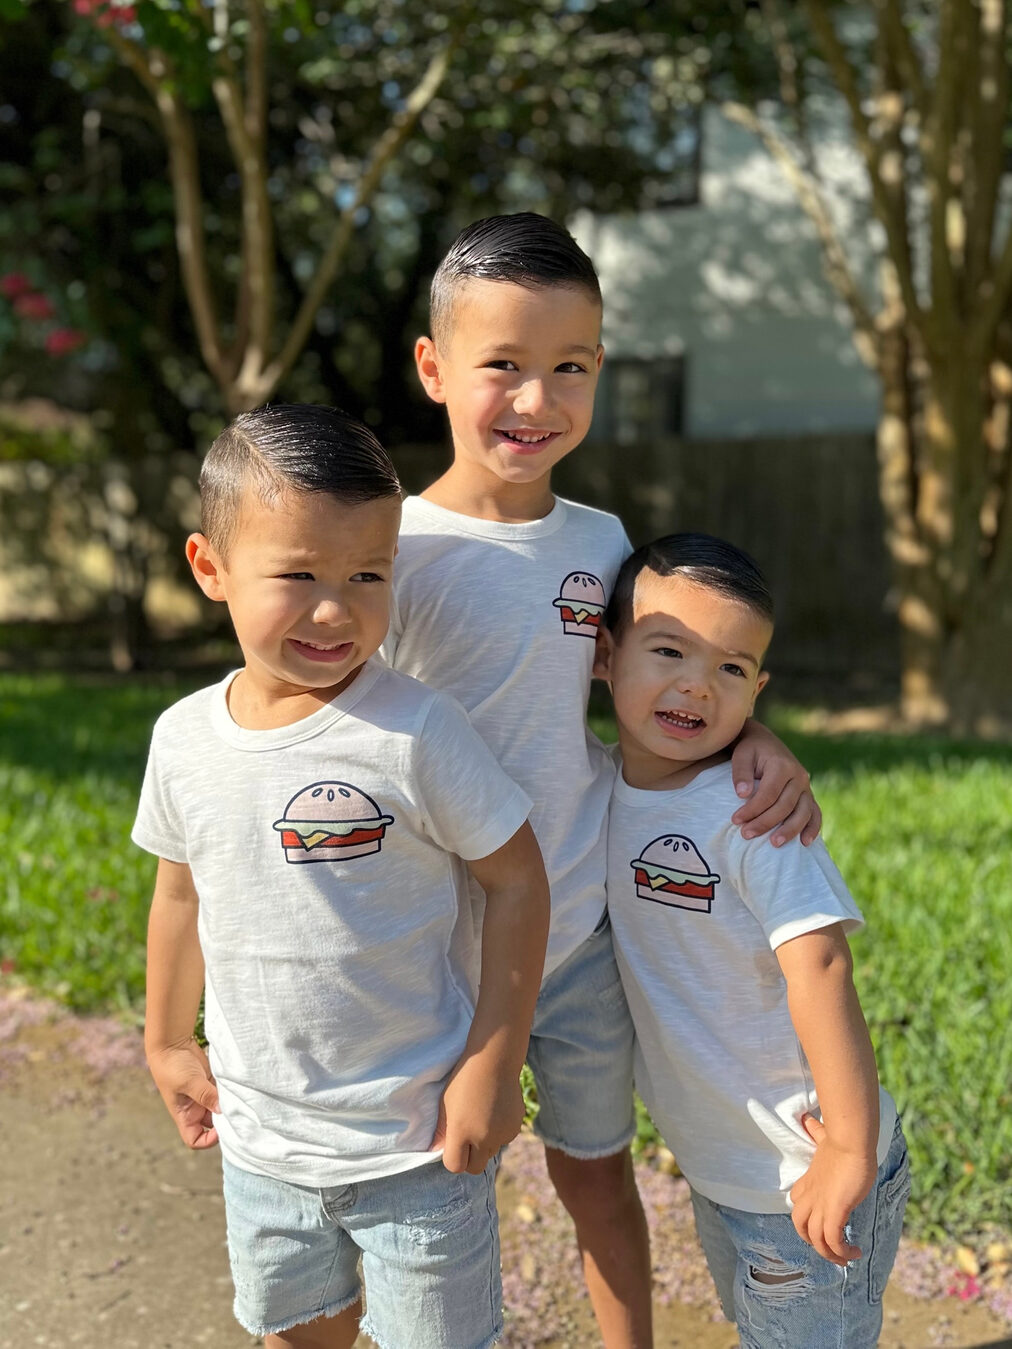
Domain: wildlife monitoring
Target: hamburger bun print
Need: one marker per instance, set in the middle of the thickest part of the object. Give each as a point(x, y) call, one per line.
point(331, 822)
point(581, 604)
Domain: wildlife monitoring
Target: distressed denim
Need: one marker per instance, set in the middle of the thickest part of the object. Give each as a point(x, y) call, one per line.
point(428, 1241)
point(825, 1306)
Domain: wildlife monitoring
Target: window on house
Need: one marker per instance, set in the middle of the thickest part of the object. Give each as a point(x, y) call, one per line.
point(639, 400)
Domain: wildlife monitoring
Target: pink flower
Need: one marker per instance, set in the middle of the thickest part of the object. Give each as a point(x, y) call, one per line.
point(82, 7)
point(62, 340)
point(14, 284)
point(33, 306)
point(965, 1288)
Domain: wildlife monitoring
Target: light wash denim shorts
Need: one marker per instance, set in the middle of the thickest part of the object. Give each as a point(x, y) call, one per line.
point(581, 1053)
point(827, 1306)
point(428, 1241)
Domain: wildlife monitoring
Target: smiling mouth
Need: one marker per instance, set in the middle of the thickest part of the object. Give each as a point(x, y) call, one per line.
point(681, 721)
point(320, 651)
point(527, 440)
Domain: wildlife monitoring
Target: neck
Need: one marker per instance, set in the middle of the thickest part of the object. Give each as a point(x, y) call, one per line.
point(650, 773)
point(256, 705)
point(485, 496)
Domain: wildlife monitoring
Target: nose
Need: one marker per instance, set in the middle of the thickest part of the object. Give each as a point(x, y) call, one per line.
point(330, 609)
point(533, 397)
point(692, 679)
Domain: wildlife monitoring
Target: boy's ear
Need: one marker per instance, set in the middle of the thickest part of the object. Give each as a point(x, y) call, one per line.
point(206, 566)
point(760, 684)
point(604, 651)
point(427, 364)
point(599, 357)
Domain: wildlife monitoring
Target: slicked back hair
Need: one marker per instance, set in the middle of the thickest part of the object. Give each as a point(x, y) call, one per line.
point(297, 447)
point(527, 249)
point(701, 558)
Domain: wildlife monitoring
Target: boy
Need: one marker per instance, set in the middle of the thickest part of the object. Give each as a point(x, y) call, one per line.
point(499, 592)
point(752, 1053)
point(310, 814)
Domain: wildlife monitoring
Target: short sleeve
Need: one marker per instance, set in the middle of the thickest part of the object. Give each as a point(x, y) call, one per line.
point(793, 889)
point(468, 804)
point(159, 827)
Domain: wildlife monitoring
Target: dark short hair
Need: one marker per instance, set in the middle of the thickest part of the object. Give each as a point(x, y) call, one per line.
point(300, 447)
point(701, 558)
point(527, 249)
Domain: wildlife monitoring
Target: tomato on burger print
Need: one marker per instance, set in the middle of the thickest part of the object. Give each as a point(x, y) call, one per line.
point(581, 604)
point(329, 822)
point(671, 870)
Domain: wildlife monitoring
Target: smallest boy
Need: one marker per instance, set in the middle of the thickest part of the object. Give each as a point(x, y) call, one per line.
point(311, 813)
point(752, 1052)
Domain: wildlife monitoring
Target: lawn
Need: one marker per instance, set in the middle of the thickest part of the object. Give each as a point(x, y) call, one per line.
point(919, 826)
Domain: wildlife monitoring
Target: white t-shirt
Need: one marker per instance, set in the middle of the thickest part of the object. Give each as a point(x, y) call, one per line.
point(697, 913)
point(339, 957)
point(503, 616)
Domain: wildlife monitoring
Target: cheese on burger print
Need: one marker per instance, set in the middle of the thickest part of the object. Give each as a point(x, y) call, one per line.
point(330, 822)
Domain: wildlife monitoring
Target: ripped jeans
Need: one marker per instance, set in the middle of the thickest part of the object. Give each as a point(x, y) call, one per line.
point(824, 1306)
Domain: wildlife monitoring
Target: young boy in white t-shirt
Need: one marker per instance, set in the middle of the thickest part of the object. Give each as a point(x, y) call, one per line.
point(752, 1054)
point(311, 814)
point(499, 591)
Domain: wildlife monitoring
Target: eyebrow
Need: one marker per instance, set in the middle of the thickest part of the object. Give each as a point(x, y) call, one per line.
point(511, 349)
point(683, 638)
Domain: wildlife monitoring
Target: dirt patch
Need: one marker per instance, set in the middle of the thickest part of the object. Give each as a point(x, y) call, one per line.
point(112, 1233)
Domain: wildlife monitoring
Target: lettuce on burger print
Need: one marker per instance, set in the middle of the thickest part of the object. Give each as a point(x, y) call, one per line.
point(672, 871)
point(329, 822)
point(581, 604)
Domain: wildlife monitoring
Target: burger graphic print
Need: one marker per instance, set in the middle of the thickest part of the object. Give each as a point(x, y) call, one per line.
point(672, 871)
point(581, 604)
point(329, 822)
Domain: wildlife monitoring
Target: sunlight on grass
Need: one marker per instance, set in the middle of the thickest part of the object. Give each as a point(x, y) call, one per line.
point(919, 827)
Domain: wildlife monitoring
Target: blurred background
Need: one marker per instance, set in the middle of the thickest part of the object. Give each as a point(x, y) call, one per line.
point(800, 213)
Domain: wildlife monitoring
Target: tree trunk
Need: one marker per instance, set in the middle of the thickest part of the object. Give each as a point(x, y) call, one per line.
point(955, 603)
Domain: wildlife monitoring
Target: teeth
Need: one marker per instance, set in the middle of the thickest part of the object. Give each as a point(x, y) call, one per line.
point(683, 719)
point(319, 646)
point(527, 440)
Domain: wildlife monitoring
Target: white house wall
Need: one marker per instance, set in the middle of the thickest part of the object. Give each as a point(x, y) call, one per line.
point(736, 284)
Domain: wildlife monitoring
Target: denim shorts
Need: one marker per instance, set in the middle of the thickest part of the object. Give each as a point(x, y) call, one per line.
point(828, 1306)
point(428, 1241)
point(581, 1054)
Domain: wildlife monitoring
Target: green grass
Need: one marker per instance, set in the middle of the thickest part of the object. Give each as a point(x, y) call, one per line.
point(920, 827)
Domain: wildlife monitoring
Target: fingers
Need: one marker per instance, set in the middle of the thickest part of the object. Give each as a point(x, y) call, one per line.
point(813, 828)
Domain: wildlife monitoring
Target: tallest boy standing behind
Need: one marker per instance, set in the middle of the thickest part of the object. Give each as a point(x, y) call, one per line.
point(499, 591)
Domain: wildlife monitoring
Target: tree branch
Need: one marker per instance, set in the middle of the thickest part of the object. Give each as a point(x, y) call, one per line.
point(260, 387)
point(153, 71)
point(813, 203)
point(888, 209)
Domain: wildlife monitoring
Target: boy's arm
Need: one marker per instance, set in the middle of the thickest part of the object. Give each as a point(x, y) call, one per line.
point(175, 981)
point(482, 1107)
point(783, 800)
point(830, 1025)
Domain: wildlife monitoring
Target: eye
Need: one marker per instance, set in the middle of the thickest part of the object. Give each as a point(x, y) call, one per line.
point(297, 576)
point(570, 368)
point(730, 668)
point(668, 651)
point(369, 576)
point(500, 365)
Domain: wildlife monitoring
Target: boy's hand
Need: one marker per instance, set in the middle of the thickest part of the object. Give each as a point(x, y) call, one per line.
point(782, 800)
point(183, 1077)
point(481, 1111)
point(828, 1193)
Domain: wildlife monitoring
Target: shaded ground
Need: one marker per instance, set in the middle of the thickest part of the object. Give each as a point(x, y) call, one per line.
point(111, 1233)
